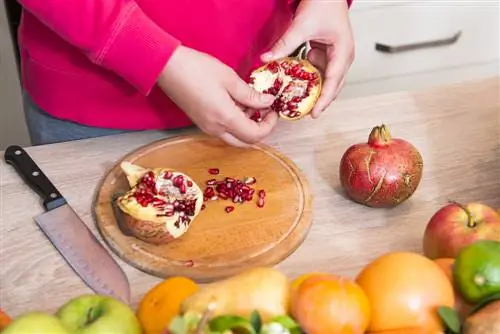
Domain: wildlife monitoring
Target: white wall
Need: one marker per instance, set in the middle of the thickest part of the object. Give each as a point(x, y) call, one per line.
point(12, 125)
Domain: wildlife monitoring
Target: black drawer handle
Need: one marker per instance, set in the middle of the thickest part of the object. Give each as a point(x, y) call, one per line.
point(419, 45)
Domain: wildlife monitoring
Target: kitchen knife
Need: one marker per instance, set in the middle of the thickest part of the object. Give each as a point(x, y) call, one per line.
point(68, 233)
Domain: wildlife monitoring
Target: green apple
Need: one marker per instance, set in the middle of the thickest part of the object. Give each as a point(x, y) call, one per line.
point(98, 314)
point(36, 323)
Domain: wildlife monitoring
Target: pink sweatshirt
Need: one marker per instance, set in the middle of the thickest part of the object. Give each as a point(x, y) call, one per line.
point(96, 62)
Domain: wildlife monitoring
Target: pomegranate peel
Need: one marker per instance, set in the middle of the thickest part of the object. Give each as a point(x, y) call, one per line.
point(294, 81)
point(161, 204)
point(382, 172)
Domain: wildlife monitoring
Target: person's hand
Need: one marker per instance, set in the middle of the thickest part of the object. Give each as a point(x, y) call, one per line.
point(326, 26)
point(215, 98)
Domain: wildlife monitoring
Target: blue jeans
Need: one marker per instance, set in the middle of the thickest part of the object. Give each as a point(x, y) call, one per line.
point(45, 129)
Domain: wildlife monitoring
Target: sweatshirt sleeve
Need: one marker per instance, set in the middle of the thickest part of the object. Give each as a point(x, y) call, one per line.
point(115, 34)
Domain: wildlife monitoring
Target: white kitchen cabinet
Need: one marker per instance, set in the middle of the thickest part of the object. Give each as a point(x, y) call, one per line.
point(12, 124)
point(474, 54)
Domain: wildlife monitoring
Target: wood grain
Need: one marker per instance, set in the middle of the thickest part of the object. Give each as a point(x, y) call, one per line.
point(455, 127)
point(218, 244)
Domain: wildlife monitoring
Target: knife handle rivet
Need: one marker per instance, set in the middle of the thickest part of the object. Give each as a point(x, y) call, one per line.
point(35, 173)
point(18, 152)
point(53, 195)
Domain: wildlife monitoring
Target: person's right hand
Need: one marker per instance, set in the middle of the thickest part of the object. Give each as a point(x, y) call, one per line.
point(215, 98)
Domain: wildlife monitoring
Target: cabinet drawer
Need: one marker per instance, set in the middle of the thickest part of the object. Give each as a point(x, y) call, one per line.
point(423, 21)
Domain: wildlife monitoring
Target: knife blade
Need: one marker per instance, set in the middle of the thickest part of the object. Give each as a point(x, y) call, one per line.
point(68, 233)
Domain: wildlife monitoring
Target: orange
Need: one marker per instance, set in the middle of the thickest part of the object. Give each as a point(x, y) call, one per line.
point(446, 264)
point(413, 330)
point(405, 290)
point(297, 281)
point(160, 304)
point(324, 303)
point(5, 319)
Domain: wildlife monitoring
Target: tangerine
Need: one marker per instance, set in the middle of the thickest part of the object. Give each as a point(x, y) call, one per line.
point(5, 319)
point(297, 281)
point(324, 303)
point(161, 303)
point(463, 307)
point(413, 330)
point(405, 290)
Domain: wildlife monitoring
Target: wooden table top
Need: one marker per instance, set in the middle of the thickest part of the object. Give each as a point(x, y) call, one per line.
point(455, 127)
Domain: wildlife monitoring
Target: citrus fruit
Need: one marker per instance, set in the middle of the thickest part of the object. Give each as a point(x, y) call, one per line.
point(324, 303)
point(405, 289)
point(5, 319)
point(446, 264)
point(297, 281)
point(160, 304)
point(476, 271)
point(412, 330)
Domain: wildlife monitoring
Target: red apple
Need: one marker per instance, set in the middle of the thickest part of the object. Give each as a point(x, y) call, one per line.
point(455, 226)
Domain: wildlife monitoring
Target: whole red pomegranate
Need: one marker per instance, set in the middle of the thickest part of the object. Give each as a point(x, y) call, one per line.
point(383, 172)
point(294, 81)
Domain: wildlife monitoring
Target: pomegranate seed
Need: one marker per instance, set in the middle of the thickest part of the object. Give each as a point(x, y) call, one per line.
point(211, 182)
point(209, 192)
point(221, 188)
point(214, 198)
point(262, 193)
point(182, 188)
point(223, 196)
point(260, 202)
point(229, 209)
point(250, 180)
point(189, 183)
point(178, 180)
point(229, 180)
point(203, 207)
point(168, 175)
point(213, 171)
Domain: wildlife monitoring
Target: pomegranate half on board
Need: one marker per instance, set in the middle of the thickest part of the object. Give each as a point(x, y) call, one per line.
point(294, 81)
point(161, 204)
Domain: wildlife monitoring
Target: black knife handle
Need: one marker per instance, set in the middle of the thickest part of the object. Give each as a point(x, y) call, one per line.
point(34, 177)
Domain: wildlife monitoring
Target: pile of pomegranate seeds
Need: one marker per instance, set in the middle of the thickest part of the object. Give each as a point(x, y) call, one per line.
point(234, 190)
point(147, 193)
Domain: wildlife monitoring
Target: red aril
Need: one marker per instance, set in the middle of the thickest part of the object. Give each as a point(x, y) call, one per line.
point(234, 190)
point(161, 204)
point(383, 172)
point(294, 81)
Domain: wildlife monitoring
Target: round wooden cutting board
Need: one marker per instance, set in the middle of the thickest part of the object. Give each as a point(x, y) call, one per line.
point(218, 244)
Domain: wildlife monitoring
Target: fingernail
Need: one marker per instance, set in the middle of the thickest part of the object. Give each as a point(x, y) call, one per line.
point(267, 56)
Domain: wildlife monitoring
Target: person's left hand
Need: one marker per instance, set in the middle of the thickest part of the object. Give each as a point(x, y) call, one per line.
point(325, 25)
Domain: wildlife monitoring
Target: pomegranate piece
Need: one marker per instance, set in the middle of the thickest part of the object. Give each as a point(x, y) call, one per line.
point(384, 172)
point(160, 205)
point(294, 81)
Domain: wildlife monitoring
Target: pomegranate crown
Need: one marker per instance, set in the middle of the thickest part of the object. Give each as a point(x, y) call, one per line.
point(379, 135)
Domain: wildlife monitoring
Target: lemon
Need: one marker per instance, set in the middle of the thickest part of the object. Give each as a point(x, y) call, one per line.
point(476, 271)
